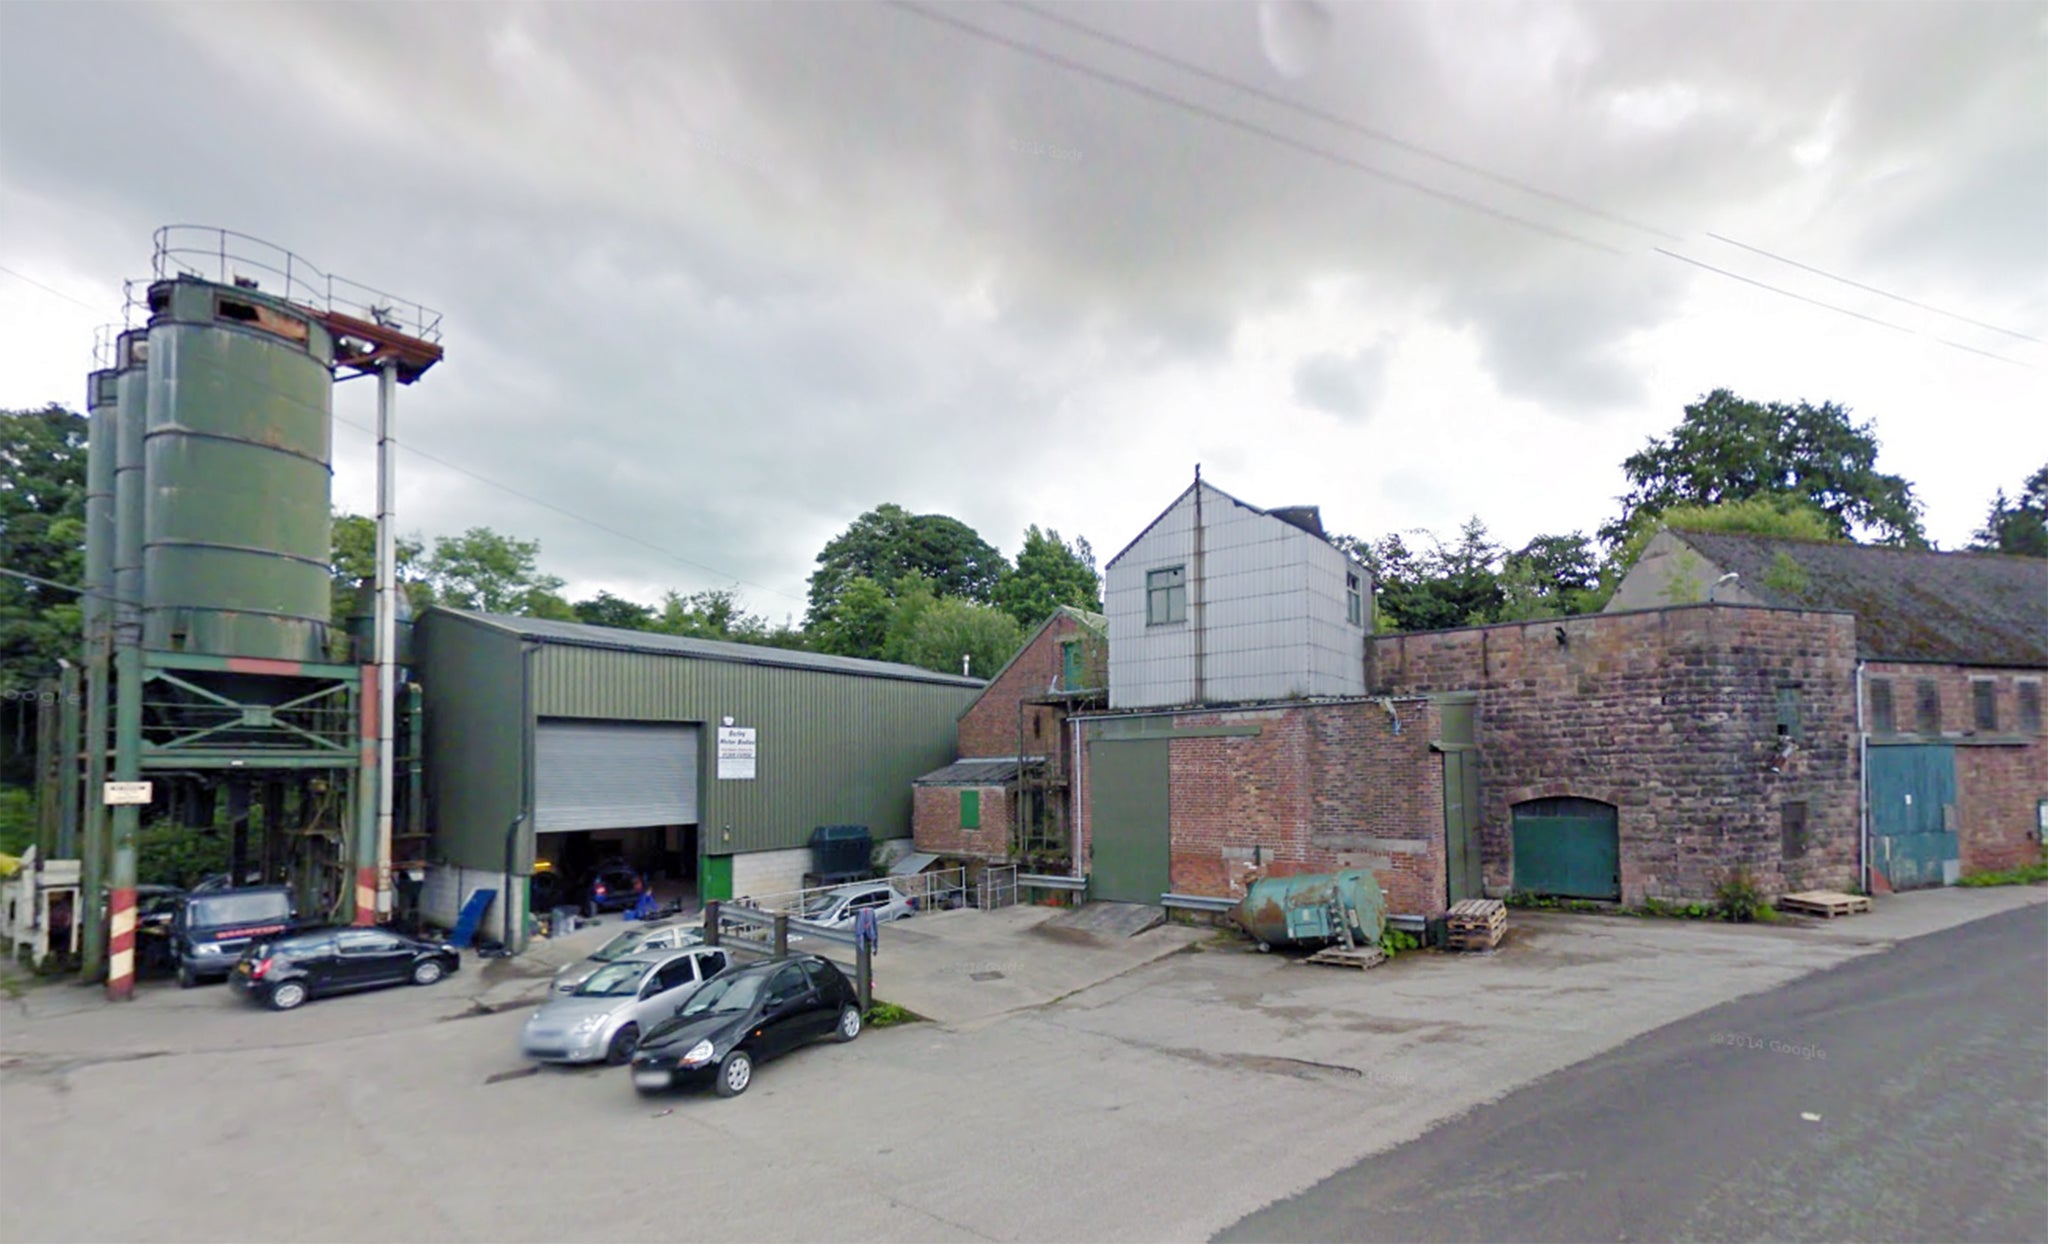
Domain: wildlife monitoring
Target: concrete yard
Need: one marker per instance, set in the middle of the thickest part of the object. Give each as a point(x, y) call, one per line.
point(1088, 1092)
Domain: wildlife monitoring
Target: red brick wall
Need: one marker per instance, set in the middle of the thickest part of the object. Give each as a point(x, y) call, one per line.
point(1671, 716)
point(935, 822)
point(1321, 787)
point(990, 727)
point(2001, 775)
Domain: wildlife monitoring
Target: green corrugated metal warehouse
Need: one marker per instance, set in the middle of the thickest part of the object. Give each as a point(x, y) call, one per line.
point(710, 763)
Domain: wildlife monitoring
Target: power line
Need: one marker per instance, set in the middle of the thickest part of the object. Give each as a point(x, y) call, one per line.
point(1872, 289)
point(1331, 118)
point(1032, 50)
point(581, 518)
point(48, 290)
point(1238, 123)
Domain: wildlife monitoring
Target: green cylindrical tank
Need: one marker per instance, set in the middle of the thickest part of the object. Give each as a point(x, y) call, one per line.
point(1306, 909)
point(239, 476)
point(103, 404)
point(131, 416)
point(362, 626)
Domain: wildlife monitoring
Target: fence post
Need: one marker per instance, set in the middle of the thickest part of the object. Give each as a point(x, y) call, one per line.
point(864, 974)
point(781, 934)
point(711, 922)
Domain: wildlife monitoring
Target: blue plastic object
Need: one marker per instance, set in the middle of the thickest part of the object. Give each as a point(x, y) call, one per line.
point(472, 915)
point(645, 909)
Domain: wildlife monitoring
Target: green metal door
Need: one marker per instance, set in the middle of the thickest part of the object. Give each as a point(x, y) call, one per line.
point(1461, 825)
point(716, 881)
point(1569, 848)
point(1127, 802)
point(1912, 802)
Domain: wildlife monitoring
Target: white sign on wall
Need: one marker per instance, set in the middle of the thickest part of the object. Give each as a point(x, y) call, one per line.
point(736, 745)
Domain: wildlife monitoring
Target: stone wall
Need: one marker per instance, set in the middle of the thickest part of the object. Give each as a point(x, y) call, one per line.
point(1671, 716)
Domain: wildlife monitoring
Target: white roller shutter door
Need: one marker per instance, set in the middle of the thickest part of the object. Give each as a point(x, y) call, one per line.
point(611, 775)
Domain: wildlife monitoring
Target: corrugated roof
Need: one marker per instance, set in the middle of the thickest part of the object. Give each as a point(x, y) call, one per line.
point(1910, 605)
point(972, 773)
point(582, 635)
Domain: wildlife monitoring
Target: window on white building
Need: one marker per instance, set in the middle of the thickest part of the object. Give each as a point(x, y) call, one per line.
point(1166, 595)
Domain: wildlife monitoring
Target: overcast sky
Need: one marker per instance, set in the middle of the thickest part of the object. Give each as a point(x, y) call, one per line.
point(723, 277)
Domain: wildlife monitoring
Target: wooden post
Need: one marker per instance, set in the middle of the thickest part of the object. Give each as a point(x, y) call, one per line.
point(711, 922)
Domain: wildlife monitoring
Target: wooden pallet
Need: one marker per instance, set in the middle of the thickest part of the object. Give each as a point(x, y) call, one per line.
point(1475, 924)
point(1825, 903)
point(1348, 956)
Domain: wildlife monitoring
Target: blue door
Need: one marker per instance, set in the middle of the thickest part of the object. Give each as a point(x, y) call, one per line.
point(1912, 815)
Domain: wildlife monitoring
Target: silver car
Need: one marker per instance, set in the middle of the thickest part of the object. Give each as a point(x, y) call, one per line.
point(604, 1016)
point(636, 941)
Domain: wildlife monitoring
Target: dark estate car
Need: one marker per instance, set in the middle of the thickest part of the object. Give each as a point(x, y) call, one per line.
point(747, 1015)
point(286, 971)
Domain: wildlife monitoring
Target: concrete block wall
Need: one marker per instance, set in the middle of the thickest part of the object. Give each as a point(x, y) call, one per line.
point(935, 817)
point(1671, 716)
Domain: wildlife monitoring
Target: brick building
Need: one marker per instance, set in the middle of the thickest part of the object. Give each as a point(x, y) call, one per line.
point(1009, 795)
point(1951, 651)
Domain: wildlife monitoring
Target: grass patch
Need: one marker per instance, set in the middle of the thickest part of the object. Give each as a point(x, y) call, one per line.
point(887, 1015)
point(2026, 874)
point(1546, 902)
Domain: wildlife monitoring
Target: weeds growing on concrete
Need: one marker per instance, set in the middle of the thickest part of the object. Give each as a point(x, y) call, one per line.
point(1738, 897)
point(887, 1015)
point(2026, 874)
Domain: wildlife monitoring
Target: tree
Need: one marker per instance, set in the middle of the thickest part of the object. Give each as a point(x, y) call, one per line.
point(1729, 449)
point(493, 573)
point(2018, 527)
point(1451, 585)
point(858, 623)
point(939, 635)
point(353, 562)
point(42, 533)
point(1549, 577)
point(1049, 573)
point(605, 609)
point(889, 542)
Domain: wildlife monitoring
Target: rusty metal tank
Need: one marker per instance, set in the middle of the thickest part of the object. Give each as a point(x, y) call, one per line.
point(1306, 909)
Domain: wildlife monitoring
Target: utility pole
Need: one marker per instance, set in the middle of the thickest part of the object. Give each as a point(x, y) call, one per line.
point(387, 630)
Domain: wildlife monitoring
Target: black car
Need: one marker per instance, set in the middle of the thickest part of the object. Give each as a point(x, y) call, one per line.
point(613, 885)
point(286, 971)
point(743, 1016)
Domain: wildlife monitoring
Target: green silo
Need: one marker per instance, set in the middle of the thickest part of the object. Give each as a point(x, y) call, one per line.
point(238, 475)
point(130, 413)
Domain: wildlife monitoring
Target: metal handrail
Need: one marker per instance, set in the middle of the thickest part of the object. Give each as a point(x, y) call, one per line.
point(1047, 881)
point(757, 918)
point(1197, 902)
point(225, 256)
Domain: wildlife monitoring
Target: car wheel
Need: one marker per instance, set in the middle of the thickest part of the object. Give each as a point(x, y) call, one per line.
point(187, 978)
point(624, 1042)
point(427, 971)
point(735, 1073)
point(849, 1024)
point(285, 996)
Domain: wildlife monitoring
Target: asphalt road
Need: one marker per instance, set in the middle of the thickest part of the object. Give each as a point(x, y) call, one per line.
point(1903, 1096)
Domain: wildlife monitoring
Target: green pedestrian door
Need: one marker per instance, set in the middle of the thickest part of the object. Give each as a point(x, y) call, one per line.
point(1127, 816)
point(1461, 826)
point(1912, 815)
point(1567, 848)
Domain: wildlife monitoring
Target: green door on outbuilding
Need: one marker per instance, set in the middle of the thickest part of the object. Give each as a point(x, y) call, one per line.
point(1568, 848)
point(1127, 816)
point(1912, 800)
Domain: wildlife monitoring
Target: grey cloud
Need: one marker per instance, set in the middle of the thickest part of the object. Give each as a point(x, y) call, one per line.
point(1346, 385)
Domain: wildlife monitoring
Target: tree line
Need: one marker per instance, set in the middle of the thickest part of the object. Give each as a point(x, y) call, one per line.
point(928, 590)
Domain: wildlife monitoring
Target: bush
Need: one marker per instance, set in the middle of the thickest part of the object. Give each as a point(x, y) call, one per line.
point(1737, 897)
point(168, 854)
point(17, 820)
point(887, 1015)
point(1394, 941)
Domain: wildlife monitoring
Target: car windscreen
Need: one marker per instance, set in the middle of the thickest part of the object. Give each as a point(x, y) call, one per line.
point(724, 995)
point(621, 946)
point(819, 905)
point(613, 980)
point(215, 910)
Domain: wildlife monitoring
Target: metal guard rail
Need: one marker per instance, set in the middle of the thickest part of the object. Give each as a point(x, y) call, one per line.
point(1045, 881)
point(1197, 902)
point(755, 918)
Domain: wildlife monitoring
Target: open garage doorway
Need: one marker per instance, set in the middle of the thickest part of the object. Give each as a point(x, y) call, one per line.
point(611, 793)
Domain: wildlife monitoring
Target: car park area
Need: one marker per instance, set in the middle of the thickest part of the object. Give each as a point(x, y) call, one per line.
point(1102, 1092)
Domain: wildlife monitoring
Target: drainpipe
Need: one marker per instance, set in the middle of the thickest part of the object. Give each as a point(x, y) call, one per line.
point(1862, 789)
point(525, 818)
point(1074, 806)
point(1198, 599)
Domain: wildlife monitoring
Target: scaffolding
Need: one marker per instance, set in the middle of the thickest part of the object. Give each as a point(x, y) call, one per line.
point(1044, 815)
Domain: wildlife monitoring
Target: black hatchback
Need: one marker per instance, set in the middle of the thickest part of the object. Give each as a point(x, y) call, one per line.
point(285, 971)
point(747, 1015)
